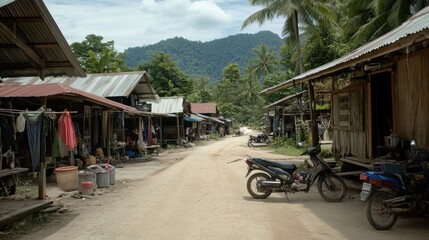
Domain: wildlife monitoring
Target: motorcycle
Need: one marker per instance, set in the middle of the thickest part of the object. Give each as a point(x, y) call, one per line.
point(398, 188)
point(237, 133)
point(284, 177)
point(260, 138)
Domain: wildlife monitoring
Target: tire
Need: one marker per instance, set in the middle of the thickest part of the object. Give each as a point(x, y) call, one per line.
point(378, 215)
point(250, 143)
point(253, 186)
point(267, 141)
point(331, 187)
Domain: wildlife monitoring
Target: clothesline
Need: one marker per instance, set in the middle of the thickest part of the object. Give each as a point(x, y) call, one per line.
point(8, 110)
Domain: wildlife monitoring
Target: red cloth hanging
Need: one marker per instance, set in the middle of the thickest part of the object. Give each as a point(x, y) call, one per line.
point(66, 130)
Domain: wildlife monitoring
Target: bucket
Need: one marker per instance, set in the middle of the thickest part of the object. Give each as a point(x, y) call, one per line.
point(87, 176)
point(67, 178)
point(87, 187)
point(111, 172)
point(103, 179)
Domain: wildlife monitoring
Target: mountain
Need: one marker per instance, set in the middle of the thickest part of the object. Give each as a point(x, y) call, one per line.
point(206, 58)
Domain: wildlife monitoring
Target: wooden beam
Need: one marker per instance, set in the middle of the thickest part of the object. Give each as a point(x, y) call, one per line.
point(22, 19)
point(314, 127)
point(11, 36)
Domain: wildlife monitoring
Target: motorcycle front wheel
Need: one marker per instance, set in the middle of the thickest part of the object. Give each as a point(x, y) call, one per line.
point(379, 216)
point(254, 186)
point(250, 143)
point(331, 187)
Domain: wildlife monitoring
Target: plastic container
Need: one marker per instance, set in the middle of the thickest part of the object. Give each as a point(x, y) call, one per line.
point(67, 178)
point(111, 172)
point(103, 179)
point(87, 187)
point(87, 176)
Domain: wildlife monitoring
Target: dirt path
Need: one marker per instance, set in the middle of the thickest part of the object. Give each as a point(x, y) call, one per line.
point(203, 196)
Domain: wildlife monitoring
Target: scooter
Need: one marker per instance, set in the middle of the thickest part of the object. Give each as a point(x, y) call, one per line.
point(260, 138)
point(284, 177)
point(397, 188)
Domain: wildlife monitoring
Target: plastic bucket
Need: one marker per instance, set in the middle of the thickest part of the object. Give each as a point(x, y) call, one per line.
point(87, 187)
point(67, 178)
point(103, 179)
point(111, 172)
point(87, 176)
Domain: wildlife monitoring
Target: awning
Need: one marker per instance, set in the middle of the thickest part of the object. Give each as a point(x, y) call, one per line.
point(285, 99)
point(52, 89)
point(193, 118)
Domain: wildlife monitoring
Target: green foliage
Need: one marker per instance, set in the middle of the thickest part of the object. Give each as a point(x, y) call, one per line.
point(166, 77)
point(96, 56)
point(304, 133)
point(286, 146)
point(325, 106)
point(206, 59)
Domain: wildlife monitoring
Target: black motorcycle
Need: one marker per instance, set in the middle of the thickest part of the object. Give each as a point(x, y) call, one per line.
point(260, 138)
point(398, 188)
point(284, 177)
point(237, 133)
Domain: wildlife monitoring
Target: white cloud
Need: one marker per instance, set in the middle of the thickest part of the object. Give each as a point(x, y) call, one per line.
point(132, 23)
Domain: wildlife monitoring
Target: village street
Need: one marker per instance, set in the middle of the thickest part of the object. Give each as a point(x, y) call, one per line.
point(200, 193)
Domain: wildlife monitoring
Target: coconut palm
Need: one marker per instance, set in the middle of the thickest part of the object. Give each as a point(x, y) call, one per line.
point(265, 63)
point(377, 17)
point(298, 13)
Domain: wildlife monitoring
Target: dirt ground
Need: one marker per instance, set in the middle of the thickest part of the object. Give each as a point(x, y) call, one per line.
point(200, 193)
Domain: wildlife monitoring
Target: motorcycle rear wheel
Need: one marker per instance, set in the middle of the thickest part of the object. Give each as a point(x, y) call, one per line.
point(254, 186)
point(380, 217)
point(331, 187)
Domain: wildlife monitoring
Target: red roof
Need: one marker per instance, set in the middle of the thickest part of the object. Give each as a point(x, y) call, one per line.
point(204, 108)
point(51, 89)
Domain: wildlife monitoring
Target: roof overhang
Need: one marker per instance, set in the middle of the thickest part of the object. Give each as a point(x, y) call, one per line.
point(285, 99)
point(31, 44)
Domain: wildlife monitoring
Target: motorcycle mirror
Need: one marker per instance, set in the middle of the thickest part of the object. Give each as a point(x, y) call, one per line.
point(413, 143)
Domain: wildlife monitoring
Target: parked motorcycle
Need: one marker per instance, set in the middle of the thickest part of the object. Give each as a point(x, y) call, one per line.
point(237, 133)
point(260, 138)
point(284, 177)
point(397, 188)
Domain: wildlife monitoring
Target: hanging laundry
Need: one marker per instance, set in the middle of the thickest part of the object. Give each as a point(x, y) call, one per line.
point(34, 123)
point(20, 123)
point(66, 131)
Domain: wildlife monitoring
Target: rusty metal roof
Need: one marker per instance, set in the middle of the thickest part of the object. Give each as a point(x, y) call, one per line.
point(31, 44)
point(53, 89)
point(100, 84)
point(415, 29)
point(204, 108)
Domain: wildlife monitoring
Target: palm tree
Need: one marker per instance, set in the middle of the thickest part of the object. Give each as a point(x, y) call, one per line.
point(265, 63)
point(377, 17)
point(298, 13)
point(251, 89)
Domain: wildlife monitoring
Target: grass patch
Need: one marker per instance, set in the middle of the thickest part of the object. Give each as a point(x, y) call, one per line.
point(29, 224)
point(26, 189)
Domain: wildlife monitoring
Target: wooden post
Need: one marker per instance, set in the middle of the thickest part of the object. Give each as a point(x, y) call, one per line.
point(314, 128)
point(178, 129)
point(42, 160)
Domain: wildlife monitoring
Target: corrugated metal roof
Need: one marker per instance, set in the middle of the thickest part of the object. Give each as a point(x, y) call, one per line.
point(100, 84)
point(31, 44)
point(168, 105)
point(415, 28)
point(285, 99)
point(62, 89)
point(204, 108)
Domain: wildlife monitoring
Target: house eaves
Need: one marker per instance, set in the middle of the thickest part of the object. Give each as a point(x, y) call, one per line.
point(31, 44)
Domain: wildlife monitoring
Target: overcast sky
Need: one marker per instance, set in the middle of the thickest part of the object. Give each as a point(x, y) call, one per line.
point(133, 23)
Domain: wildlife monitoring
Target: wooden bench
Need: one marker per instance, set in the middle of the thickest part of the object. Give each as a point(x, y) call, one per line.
point(13, 172)
point(152, 148)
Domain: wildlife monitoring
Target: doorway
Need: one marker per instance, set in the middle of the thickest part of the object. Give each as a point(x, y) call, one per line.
point(381, 89)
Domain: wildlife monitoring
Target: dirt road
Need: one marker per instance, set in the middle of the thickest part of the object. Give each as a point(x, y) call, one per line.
point(203, 196)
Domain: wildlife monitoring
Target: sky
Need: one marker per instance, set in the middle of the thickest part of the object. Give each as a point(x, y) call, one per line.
point(135, 23)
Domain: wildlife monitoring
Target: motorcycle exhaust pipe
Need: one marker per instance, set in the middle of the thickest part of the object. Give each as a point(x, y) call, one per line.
point(271, 184)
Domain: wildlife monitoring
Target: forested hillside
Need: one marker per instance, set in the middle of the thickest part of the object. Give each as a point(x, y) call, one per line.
point(206, 58)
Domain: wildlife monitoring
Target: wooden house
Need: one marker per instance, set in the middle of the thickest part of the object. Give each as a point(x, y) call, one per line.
point(385, 103)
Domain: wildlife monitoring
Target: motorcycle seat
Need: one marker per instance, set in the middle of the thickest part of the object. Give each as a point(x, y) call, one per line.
point(285, 166)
